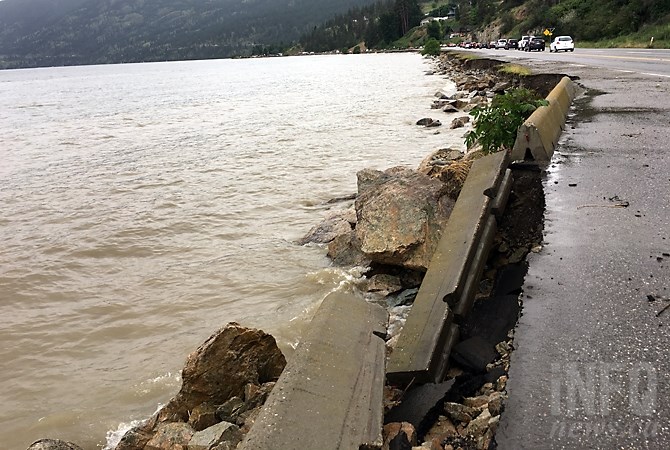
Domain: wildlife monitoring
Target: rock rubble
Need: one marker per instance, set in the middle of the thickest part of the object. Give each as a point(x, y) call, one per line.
point(224, 384)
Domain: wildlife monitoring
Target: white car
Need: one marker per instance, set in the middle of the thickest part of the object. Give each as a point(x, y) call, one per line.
point(564, 43)
point(501, 43)
point(523, 42)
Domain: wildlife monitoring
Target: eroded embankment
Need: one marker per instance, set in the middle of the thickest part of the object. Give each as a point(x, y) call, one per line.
point(230, 377)
point(463, 411)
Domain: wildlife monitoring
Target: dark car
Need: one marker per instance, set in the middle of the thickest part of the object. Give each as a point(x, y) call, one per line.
point(535, 43)
point(512, 43)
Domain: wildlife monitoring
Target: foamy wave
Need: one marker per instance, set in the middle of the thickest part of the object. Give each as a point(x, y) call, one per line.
point(168, 379)
point(340, 277)
point(113, 437)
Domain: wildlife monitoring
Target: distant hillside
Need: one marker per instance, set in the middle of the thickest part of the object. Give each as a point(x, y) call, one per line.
point(609, 22)
point(66, 32)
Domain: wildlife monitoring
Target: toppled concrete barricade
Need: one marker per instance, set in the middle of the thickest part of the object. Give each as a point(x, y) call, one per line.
point(330, 396)
point(423, 348)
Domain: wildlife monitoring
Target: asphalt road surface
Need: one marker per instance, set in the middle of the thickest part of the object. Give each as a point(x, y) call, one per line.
point(653, 62)
point(592, 361)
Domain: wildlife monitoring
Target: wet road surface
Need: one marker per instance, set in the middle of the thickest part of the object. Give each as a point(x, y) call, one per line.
point(592, 360)
point(655, 62)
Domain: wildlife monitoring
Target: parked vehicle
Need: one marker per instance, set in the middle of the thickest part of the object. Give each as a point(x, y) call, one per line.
point(500, 43)
point(535, 43)
point(512, 43)
point(564, 43)
point(492, 44)
point(523, 42)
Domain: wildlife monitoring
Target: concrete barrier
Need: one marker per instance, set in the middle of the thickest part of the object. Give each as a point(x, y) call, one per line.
point(425, 342)
point(500, 202)
point(538, 135)
point(330, 395)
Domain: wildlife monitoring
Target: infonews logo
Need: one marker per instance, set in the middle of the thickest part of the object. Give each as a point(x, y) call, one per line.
point(590, 400)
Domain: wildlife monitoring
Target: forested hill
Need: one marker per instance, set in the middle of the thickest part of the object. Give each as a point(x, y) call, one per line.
point(382, 25)
point(67, 32)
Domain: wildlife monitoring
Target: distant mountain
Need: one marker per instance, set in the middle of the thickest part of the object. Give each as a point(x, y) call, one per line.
point(68, 32)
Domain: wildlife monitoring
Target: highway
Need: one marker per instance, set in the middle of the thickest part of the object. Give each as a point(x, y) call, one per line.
point(653, 62)
point(592, 347)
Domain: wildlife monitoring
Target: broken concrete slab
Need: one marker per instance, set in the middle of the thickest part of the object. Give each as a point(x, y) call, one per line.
point(330, 394)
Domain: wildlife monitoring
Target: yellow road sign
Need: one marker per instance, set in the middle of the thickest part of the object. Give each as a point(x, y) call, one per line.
point(547, 32)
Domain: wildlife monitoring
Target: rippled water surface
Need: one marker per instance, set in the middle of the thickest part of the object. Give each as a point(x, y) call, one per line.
point(144, 206)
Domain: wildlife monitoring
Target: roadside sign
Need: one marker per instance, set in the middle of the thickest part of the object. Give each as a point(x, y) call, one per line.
point(547, 32)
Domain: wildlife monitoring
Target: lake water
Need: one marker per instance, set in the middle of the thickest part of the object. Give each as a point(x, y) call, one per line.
point(144, 206)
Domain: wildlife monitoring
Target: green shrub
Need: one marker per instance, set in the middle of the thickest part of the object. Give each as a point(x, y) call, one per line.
point(431, 47)
point(495, 125)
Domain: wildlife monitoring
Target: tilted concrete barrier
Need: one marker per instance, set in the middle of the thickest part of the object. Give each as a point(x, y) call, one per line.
point(330, 395)
point(449, 285)
point(538, 135)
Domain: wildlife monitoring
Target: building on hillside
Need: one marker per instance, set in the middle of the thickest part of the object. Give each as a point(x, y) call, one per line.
point(451, 14)
point(428, 20)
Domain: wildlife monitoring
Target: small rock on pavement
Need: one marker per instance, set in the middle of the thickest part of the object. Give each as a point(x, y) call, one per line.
point(53, 444)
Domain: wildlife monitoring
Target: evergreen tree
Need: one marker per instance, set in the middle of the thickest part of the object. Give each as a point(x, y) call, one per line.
point(434, 29)
point(409, 14)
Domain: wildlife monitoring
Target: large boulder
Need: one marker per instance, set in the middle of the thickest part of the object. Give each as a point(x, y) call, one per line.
point(222, 366)
point(233, 362)
point(400, 214)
